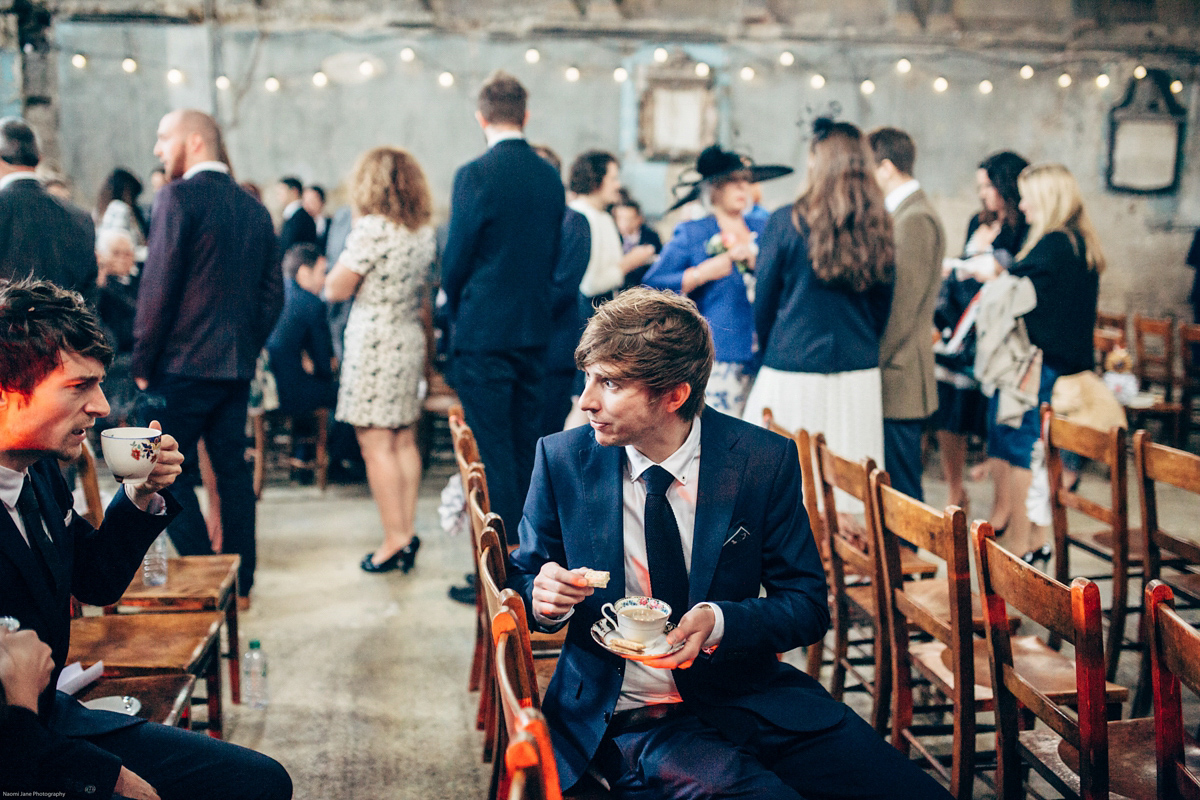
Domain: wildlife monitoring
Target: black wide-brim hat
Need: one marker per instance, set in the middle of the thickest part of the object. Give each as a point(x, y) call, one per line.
point(715, 162)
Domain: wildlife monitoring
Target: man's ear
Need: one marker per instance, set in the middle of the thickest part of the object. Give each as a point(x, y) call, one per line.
point(525, 121)
point(677, 396)
point(479, 118)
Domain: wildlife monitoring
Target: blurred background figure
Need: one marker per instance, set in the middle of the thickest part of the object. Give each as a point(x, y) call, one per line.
point(116, 305)
point(634, 233)
point(313, 201)
point(117, 209)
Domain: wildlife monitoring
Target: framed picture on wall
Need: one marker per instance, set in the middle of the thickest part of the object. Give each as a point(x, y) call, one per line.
point(677, 114)
point(1145, 138)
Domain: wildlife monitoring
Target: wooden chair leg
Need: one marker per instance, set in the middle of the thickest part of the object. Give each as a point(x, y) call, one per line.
point(212, 680)
point(841, 651)
point(882, 690)
point(322, 448)
point(814, 657)
point(260, 453)
point(234, 655)
point(1116, 628)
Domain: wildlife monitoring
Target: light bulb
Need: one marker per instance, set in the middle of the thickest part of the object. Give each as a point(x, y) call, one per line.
point(786, 58)
point(174, 76)
point(271, 84)
point(79, 61)
point(446, 79)
point(366, 69)
point(1139, 72)
point(661, 55)
point(1026, 72)
point(867, 86)
point(817, 81)
point(222, 82)
point(702, 70)
point(572, 74)
point(985, 87)
point(320, 79)
point(129, 65)
point(1102, 80)
point(1176, 87)
point(620, 74)
point(407, 55)
point(747, 73)
point(940, 84)
point(1064, 80)
point(532, 56)
point(904, 66)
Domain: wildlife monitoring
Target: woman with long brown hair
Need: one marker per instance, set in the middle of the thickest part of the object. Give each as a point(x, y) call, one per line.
point(824, 291)
point(385, 268)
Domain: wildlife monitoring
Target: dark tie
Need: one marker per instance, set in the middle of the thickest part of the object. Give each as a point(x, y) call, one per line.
point(31, 516)
point(664, 549)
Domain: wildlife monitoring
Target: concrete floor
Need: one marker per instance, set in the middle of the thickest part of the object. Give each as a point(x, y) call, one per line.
point(368, 672)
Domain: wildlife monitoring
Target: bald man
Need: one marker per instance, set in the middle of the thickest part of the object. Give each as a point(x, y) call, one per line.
point(210, 293)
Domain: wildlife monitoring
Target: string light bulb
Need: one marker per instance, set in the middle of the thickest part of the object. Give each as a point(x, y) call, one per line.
point(320, 79)
point(620, 74)
point(1064, 80)
point(747, 73)
point(1102, 80)
point(661, 55)
point(986, 87)
point(940, 84)
point(532, 56)
point(174, 76)
point(1139, 72)
point(79, 61)
point(786, 58)
point(1176, 87)
point(867, 86)
point(702, 70)
point(817, 81)
point(407, 55)
point(446, 80)
point(366, 68)
point(904, 66)
point(1026, 72)
point(572, 74)
point(271, 84)
point(222, 82)
point(129, 65)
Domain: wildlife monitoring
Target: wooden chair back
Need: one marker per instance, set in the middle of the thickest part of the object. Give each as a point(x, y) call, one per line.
point(1107, 448)
point(1189, 340)
point(1154, 353)
point(1112, 322)
point(1104, 341)
point(515, 676)
point(530, 771)
point(1156, 463)
point(90, 481)
point(1068, 613)
point(900, 518)
point(1175, 660)
point(492, 570)
point(808, 482)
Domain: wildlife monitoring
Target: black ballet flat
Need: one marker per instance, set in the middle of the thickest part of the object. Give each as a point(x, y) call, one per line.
point(1042, 554)
point(408, 556)
point(368, 563)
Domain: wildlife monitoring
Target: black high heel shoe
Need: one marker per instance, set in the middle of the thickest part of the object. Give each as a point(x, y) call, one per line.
point(408, 556)
point(368, 563)
point(1042, 554)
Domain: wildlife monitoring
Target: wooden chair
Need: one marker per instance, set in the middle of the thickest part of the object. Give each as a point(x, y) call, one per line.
point(1153, 464)
point(165, 699)
point(1104, 341)
point(274, 438)
point(1112, 322)
point(439, 403)
point(1114, 543)
point(530, 771)
point(1175, 659)
point(195, 583)
point(1073, 755)
point(1189, 346)
point(1154, 365)
point(88, 479)
point(132, 645)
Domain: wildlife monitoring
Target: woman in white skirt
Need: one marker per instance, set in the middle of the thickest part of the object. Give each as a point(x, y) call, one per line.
point(824, 291)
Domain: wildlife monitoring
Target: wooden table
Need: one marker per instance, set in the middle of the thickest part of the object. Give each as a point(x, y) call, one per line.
point(166, 699)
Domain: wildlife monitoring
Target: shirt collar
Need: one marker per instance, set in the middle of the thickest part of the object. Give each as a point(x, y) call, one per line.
point(676, 463)
point(898, 195)
point(291, 208)
point(207, 166)
point(11, 483)
point(23, 175)
point(495, 137)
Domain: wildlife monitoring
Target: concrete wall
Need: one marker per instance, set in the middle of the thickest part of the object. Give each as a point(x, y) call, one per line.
point(108, 117)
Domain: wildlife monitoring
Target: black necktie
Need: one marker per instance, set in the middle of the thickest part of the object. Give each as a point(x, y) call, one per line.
point(664, 549)
point(31, 516)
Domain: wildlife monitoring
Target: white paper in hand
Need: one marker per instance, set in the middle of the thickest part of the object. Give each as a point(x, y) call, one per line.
point(73, 678)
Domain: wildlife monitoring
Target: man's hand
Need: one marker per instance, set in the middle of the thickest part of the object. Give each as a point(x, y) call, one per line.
point(557, 590)
point(25, 667)
point(130, 785)
point(695, 628)
point(166, 470)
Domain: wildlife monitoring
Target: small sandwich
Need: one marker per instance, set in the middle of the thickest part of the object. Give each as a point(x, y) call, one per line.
point(596, 578)
point(626, 644)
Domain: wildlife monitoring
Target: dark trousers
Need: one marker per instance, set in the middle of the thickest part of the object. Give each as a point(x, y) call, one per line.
point(684, 757)
point(501, 399)
point(216, 411)
point(182, 765)
point(902, 455)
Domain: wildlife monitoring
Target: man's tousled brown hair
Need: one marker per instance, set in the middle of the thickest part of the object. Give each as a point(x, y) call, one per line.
point(655, 338)
point(502, 100)
point(38, 321)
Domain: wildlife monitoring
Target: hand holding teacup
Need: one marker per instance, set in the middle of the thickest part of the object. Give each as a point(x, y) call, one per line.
point(693, 629)
point(144, 459)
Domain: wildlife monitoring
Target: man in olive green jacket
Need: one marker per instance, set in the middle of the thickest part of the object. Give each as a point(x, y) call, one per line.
point(906, 350)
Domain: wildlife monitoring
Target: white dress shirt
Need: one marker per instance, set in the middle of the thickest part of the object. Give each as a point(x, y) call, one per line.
point(21, 175)
point(494, 137)
point(291, 208)
point(898, 195)
point(207, 166)
point(603, 273)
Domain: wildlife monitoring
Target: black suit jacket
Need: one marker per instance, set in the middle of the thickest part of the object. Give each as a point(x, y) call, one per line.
point(751, 530)
point(299, 227)
point(44, 237)
point(211, 288)
point(497, 269)
point(96, 567)
point(567, 303)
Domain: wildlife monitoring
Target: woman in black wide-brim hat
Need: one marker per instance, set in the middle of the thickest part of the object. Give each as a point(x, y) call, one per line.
point(712, 260)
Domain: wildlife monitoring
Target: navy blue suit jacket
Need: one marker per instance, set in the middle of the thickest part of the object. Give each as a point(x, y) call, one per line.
point(302, 328)
point(211, 288)
point(567, 303)
point(43, 236)
point(96, 567)
point(751, 531)
point(298, 228)
point(506, 210)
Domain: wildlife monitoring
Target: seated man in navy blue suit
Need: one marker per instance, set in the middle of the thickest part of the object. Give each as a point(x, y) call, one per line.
point(51, 367)
point(699, 510)
point(301, 346)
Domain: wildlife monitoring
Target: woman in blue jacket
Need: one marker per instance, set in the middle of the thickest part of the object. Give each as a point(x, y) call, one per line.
point(712, 260)
point(823, 296)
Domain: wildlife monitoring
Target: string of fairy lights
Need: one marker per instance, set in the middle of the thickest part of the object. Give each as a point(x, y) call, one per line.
point(751, 69)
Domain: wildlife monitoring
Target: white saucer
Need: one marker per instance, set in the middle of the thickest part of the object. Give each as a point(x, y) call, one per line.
point(603, 631)
point(118, 703)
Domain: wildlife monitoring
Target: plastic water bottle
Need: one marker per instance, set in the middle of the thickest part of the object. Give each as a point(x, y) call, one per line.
point(254, 676)
point(154, 564)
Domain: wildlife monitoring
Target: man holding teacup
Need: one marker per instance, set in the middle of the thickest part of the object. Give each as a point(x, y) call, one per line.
point(52, 361)
point(698, 511)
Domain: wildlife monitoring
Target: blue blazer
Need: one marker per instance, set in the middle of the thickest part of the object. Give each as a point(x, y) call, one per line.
point(804, 325)
point(211, 288)
point(96, 567)
point(751, 531)
point(302, 328)
point(506, 211)
point(722, 302)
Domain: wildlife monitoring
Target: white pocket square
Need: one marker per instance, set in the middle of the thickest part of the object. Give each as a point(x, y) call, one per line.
point(737, 536)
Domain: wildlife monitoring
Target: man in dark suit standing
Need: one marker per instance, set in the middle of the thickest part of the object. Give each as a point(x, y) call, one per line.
point(699, 510)
point(298, 224)
point(41, 236)
point(51, 369)
point(906, 349)
point(497, 271)
point(211, 291)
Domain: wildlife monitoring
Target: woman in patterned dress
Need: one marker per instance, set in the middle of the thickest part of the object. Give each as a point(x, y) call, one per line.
point(384, 268)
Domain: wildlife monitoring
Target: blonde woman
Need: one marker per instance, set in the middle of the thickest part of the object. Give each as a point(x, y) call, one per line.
point(385, 267)
point(1063, 260)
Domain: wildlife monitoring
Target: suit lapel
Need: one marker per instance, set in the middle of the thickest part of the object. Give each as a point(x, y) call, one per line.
point(13, 547)
point(54, 525)
point(601, 471)
point(721, 468)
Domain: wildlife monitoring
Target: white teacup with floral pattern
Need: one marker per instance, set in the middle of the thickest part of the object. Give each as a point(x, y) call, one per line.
point(130, 453)
point(638, 618)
